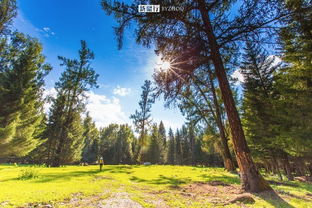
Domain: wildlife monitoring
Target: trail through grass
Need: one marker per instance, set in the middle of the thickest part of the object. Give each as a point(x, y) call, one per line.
point(149, 186)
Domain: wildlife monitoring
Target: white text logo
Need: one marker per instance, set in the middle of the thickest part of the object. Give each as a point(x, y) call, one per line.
point(149, 8)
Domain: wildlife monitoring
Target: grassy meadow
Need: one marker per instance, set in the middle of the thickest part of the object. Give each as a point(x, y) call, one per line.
point(147, 186)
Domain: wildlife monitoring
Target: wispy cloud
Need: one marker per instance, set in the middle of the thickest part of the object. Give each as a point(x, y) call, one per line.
point(121, 91)
point(23, 25)
point(46, 32)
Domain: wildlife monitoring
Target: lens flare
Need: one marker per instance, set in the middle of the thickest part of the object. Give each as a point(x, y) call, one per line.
point(165, 65)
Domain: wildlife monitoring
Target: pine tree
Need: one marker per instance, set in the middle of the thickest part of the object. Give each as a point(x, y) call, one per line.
point(123, 151)
point(295, 79)
point(142, 117)
point(171, 148)
point(21, 86)
point(162, 133)
point(178, 148)
point(163, 141)
point(259, 111)
point(192, 140)
point(262, 116)
point(116, 144)
point(65, 130)
point(91, 140)
point(185, 146)
point(7, 13)
point(107, 142)
point(154, 151)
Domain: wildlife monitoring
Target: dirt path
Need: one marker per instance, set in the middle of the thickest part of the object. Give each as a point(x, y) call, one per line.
point(119, 200)
point(104, 200)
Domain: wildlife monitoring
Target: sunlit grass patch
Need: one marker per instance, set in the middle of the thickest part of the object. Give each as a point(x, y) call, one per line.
point(147, 185)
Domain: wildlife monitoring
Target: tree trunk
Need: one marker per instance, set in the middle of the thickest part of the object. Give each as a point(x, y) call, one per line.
point(228, 161)
point(287, 167)
point(251, 179)
point(276, 167)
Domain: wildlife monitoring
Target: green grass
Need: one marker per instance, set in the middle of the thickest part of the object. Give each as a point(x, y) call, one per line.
point(53, 185)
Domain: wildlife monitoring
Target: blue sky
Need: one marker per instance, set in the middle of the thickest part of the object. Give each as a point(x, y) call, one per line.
point(60, 25)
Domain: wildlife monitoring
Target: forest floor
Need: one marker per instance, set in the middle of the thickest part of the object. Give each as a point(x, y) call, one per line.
point(134, 186)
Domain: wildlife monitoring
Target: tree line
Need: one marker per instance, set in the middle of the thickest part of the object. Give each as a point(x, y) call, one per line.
point(266, 125)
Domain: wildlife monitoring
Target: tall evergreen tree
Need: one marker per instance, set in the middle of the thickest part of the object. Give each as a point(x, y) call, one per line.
point(192, 141)
point(21, 85)
point(295, 79)
point(91, 141)
point(154, 151)
point(261, 115)
point(258, 71)
point(116, 144)
point(163, 141)
point(7, 13)
point(123, 150)
point(171, 148)
point(178, 148)
point(185, 146)
point(162, 133)
point(65, 130)
point(142, 117)
point(107, 142)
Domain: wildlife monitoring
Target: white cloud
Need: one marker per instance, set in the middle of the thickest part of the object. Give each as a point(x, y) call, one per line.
point(102, 109)
point(46, 32)
point(105, 111)
point(48, 93)
point(121, 91)
point(237, 74)
point(276, 61)
point(46, 29)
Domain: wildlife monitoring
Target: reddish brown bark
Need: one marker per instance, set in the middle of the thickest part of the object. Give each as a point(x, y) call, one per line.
point(250, 177)
point(227, 157)
point(287, 168)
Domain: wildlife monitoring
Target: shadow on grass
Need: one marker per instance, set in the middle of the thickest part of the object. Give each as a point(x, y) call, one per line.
point(304, 186)
point(69, 175)
point(64, 176)
point(224, 178)
point(282, 183)
point(274, 199)
point(163, 180)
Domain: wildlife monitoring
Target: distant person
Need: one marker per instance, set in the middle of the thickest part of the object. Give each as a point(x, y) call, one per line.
point(101, 163)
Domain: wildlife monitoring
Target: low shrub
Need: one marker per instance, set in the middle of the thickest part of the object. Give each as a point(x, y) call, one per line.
point(28, 173)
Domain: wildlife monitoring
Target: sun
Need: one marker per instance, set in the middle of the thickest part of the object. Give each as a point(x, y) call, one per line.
point(165, 65)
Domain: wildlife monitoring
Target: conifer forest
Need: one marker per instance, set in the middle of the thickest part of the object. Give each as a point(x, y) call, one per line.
point(222, 119)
